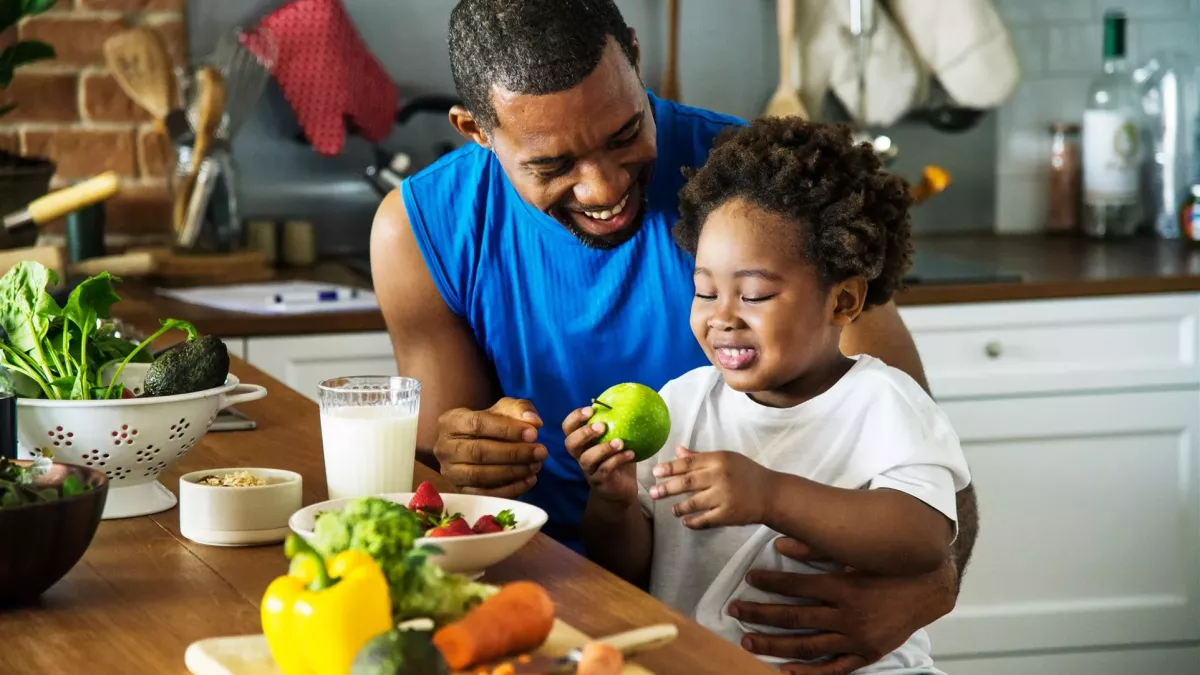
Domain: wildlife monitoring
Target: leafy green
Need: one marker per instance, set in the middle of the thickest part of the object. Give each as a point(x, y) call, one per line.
point(19, 486)
point(61, 352)
point(388, 531)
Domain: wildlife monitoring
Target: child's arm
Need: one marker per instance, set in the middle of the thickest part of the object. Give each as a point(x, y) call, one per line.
point(881, 531)
point(618, 537)
point(616, 534)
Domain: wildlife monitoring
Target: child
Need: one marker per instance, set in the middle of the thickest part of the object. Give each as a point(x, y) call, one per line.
point(795, 232)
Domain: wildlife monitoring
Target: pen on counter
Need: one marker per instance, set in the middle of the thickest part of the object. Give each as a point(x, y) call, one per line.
point(330, 295)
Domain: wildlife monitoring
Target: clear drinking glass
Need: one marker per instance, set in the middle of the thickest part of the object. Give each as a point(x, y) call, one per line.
point(369, 434)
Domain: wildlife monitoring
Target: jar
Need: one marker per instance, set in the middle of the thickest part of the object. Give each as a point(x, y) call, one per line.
point(1189, 217)
point(1065, 178)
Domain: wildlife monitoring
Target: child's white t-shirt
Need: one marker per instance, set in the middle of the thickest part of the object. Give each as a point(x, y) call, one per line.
point(874, 428)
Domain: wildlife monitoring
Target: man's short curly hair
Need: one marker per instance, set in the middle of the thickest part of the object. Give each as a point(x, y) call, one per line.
point(851, 216)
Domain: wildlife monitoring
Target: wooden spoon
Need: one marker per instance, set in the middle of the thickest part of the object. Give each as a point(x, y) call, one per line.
point(670, 87)
point(786, 100)
point(210, 93)
point(139, 63)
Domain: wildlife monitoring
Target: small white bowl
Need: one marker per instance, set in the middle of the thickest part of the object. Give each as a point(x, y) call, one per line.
point(238, 516)
point(468, 554)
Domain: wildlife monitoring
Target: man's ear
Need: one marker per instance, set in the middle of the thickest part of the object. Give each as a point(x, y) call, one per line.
point(847, 298)
point(464, 122)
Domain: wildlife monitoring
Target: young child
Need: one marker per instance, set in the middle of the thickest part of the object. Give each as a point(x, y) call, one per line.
point(795, 232)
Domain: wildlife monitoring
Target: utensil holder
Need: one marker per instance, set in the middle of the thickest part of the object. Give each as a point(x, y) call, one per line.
point(213, 221)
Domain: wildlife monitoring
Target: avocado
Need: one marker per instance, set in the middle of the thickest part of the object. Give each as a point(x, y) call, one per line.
point(400, 652)
point(195, 365)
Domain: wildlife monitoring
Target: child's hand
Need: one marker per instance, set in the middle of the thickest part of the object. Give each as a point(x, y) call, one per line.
point(609, 469)
point(729, 488)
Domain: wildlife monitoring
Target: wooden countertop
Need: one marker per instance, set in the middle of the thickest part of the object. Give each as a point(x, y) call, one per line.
point(1049, 268)
point(142, 592)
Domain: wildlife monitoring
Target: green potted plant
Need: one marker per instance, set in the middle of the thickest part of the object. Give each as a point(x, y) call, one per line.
point(22, 179)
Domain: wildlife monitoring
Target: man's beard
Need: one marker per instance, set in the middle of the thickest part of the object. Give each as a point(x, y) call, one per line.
point(611, 241)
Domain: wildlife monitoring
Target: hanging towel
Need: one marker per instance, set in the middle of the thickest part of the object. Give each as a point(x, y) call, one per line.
point(894, 75)
point(328, 75)
point(965, 44)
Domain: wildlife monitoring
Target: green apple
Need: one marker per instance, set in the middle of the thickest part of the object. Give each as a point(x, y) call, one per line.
point(636, 414)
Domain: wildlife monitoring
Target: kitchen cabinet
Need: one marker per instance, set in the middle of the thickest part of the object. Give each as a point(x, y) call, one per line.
point(1080, 420)
point(303, 361)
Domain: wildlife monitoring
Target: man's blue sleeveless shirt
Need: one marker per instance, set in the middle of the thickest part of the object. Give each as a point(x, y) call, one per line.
point(562, 322)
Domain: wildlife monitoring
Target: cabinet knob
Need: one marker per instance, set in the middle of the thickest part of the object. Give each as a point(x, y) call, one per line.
point(993, 349)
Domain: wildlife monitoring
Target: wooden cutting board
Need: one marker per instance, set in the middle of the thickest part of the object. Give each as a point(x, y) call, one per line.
point(249, 654)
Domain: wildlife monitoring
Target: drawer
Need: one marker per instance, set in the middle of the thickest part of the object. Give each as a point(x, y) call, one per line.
point(994, 349)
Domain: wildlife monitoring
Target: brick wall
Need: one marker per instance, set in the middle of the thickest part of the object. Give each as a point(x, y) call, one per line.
point(72, 110)
point(1060, 46)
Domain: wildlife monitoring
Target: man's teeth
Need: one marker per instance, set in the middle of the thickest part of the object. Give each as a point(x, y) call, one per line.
point(608, 213)
point(734, 352)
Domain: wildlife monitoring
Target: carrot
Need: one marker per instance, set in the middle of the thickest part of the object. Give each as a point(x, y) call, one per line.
point(600, 658)
point(516, 619)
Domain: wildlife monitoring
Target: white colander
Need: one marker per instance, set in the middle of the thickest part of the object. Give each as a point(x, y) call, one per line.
point(132, 440)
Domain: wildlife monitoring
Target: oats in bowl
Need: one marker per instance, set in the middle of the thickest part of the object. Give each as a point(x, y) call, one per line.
point(235, 479)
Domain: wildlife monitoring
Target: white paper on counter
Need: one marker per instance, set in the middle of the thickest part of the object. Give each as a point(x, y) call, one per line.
point(256, 298)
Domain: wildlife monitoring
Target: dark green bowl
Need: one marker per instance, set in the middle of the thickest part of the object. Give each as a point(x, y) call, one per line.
point(42, 542)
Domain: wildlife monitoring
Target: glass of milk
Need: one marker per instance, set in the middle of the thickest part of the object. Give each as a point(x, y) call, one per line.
point(369, 434)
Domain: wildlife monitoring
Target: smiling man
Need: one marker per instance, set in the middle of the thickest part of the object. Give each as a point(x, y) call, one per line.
point(526, 272)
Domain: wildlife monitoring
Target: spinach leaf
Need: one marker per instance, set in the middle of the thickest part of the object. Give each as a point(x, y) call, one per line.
point(27, 312)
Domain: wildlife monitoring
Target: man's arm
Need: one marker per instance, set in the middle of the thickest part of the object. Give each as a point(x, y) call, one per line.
point(881, 333)
point(431, 343)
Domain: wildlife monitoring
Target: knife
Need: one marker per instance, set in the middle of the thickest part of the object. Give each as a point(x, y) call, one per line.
point(62, 202)
point(629, 643)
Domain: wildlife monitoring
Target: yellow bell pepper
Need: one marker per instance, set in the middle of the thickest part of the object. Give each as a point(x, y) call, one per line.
point(318, 615)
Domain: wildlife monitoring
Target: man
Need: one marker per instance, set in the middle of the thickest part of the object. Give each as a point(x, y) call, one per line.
point(523, 274)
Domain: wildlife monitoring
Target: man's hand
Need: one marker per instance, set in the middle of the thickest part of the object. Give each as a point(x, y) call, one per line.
point(728, 488)
point(862, 617)
point(491, 452)
point(609, 468)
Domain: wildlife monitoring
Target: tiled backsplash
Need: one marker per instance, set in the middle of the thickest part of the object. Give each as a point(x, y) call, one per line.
point(1059, 43)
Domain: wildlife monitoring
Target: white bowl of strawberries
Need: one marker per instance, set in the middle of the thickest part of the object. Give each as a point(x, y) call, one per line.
point(474, 532)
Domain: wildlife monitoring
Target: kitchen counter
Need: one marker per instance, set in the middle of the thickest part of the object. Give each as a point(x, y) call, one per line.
point(142, 592)
point(992, 269)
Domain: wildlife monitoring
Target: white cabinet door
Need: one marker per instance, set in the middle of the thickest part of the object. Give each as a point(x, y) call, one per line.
point(301, 362)
point(1183, 660)
point(1090, 524)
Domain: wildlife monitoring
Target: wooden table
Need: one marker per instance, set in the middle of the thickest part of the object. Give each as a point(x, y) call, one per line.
point(143, 592)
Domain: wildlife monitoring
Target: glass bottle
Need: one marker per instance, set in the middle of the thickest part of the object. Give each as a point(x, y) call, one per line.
point(8, 416)
point(1112, 148)
point(1063, 215)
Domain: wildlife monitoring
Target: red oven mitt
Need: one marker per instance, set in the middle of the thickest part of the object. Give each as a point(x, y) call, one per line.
point(328, 75)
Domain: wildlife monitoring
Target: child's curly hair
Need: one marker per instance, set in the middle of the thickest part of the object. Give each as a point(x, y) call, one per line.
point(851, 216)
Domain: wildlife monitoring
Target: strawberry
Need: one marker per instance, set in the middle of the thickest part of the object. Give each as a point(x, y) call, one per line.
point(128, 393)
point(427, 500)
point(497, 523)
point(455, 528)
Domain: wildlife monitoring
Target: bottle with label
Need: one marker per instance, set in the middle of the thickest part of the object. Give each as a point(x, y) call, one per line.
point(1112, 142)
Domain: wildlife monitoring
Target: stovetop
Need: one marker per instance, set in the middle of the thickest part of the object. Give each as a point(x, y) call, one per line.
point(927, 269)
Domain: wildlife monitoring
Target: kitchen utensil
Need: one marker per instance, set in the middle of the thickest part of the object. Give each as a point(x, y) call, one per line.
point(629, 643)
point(390, 168)
point(934, 180)
point(59, 203)
point(210, 105)
point(785, 102)
point(469, 555)
point(670, 87)
point(245, 73)
point(218, 515)
point(198, 201)
point(862, 23)
point(131, 440)
point(42, 542)
point(140, 64)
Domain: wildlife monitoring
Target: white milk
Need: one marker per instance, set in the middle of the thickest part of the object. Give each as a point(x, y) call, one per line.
point(369, 450)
